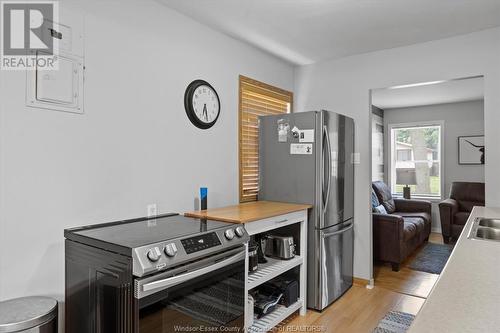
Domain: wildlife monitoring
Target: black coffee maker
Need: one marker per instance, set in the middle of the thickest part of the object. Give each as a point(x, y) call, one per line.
point(259, 238)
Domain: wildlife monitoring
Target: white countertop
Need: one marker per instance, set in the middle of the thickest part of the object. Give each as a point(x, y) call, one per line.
point(466, 297)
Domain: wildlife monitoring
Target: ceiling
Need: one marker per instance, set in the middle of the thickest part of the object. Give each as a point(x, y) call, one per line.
point(429, 93)
point(306, 31)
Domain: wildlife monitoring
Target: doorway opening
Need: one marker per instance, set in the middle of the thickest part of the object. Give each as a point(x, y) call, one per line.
point(427, 147)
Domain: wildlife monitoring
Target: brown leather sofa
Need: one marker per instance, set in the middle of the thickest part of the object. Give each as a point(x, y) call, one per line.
point(405, 227)
point(455, 211)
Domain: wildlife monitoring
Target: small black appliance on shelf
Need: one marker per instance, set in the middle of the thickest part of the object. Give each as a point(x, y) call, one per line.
point(289, 288)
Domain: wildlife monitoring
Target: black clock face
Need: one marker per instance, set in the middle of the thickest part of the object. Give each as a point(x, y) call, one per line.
point(202, 104)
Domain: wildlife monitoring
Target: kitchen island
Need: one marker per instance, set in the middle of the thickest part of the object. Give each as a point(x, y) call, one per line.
point(263, 217)
point(249, 211)
point(466, 297)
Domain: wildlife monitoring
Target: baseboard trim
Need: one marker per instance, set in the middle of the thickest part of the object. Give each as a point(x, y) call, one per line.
point(360, 282)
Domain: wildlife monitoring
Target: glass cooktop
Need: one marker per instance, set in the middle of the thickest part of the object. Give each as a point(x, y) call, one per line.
point(143, 232)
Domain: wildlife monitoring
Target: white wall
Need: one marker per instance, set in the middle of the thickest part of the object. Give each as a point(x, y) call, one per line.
point(133, 146)
point(344, 86)
point(466, 118)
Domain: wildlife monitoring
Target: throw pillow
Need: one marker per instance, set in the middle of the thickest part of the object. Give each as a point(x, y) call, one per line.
point(375, 201)
point(380, 209)
point(390, 205)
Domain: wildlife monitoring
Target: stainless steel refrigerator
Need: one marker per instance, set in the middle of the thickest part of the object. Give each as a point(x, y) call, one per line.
point(306, 157)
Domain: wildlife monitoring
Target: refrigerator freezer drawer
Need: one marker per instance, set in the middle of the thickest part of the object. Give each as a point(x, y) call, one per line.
point(336, 252)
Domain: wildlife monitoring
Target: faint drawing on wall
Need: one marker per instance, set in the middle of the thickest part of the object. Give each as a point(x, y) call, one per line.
point(471, 149)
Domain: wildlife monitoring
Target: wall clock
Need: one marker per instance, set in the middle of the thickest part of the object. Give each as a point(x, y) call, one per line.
point(202, 104)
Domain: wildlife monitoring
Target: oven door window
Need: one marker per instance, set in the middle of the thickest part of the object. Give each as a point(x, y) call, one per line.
point(213, 302)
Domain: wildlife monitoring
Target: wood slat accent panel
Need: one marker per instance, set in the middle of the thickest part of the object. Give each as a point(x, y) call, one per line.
point(256, 99)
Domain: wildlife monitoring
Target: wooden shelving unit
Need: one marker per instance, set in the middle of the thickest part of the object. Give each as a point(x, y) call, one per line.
point(277, 316)
point(266, 216)
point(271, 269)
point(275, 267)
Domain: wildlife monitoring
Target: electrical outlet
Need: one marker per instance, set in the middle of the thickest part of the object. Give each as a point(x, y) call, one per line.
point(152, 210)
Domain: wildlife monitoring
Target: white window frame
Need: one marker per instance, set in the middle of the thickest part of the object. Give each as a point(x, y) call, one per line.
point(392, 156)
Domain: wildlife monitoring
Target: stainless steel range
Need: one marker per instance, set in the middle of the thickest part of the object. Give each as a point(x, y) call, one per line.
point(164, 274)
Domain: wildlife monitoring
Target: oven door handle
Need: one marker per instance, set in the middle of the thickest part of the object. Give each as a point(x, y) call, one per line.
point(175, 280)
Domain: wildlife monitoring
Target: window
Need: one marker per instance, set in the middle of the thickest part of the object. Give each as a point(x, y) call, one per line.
point(256, 99)
point(403, 154)
point(416, 159)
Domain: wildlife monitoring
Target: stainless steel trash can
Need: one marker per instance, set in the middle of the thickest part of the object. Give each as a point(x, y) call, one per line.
point(34, 314)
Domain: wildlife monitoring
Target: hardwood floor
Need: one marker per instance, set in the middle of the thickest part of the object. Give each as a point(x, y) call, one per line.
point(436, 238)
point(407, 281)
point(360, 309)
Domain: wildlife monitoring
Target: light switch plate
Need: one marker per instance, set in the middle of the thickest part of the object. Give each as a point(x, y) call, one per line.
point(355, 158)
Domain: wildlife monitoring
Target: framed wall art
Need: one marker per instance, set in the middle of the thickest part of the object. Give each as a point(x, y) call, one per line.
point(471, 150)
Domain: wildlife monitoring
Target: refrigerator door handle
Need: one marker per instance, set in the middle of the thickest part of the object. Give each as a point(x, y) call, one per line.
point(337, 232)
point(329, 169)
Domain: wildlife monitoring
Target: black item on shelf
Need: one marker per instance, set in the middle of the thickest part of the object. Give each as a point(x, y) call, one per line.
point(288, 288)
point(265, 304)
point(260, 252)
point(253, 257)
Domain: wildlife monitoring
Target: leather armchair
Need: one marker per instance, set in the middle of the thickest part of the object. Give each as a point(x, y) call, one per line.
point(406, 226)
point(454, 211)
point(387, 237)
point(413, 206)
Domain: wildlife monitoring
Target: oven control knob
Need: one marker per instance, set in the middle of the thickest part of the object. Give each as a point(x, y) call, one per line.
point(170, 250)
point(154, 254)
point(239, 231)
point(229, 234)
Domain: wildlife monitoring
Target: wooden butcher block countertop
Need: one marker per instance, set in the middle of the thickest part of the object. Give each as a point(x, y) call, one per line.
point(248, 212)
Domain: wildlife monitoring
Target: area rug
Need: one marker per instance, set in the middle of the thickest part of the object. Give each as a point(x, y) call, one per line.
point(431, 258)
point(394, 322)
